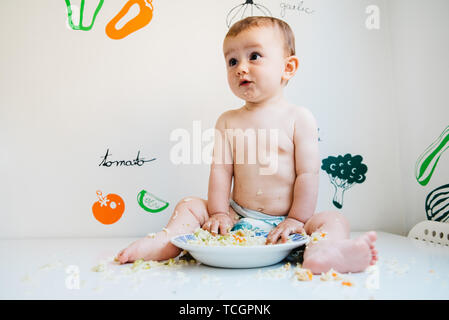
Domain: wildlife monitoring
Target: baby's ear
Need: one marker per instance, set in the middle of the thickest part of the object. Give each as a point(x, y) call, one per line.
point(291, 66)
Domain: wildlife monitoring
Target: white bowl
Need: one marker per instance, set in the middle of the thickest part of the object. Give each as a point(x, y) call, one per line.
point(239, 256)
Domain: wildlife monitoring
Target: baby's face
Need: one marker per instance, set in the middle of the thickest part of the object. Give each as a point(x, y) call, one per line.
point(255, 62)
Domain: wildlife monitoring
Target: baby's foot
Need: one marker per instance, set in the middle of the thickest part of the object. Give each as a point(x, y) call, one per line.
point(156, 247)
point(351, 255)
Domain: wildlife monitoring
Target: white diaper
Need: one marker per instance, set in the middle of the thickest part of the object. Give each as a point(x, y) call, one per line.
point(254, 220)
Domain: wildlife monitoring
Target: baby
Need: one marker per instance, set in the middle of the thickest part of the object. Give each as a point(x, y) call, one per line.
point(277, 194)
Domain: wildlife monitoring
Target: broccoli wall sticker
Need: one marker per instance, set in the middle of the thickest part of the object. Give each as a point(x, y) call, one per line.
point(344, 172)
point(247, 9)
point(437, 204)
point(80, 23)
point(428, 160)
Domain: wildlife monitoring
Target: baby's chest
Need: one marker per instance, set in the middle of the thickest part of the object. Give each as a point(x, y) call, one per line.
point(267, 136)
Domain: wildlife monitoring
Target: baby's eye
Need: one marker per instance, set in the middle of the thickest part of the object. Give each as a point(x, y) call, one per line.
point(232, 62)
point(254, 56)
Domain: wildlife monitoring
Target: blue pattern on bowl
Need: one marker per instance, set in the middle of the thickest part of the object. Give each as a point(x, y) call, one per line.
point(185, 238)
point(293, 237)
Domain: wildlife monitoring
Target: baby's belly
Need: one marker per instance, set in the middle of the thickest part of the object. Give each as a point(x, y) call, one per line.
point(268, 194)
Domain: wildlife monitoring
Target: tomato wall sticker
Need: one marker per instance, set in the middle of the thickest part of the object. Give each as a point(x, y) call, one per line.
point(428, 160)
point(344, 172)
point(108, 209)
point(141, 20)
point(150, 203)
point(80, 23)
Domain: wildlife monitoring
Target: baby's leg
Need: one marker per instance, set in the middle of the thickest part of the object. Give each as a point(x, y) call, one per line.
point(337, 250)
point(188, 215)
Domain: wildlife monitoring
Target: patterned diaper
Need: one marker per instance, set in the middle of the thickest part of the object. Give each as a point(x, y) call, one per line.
point(254, 220)
point(258, 221)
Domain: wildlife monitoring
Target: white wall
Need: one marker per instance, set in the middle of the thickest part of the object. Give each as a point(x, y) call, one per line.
point(66, 96)
point(420, 47)
point(346, 79)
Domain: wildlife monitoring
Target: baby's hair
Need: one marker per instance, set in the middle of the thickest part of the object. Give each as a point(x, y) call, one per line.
point(261, 21)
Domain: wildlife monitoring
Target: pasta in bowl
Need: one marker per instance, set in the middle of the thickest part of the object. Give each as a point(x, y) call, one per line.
point(238, 249)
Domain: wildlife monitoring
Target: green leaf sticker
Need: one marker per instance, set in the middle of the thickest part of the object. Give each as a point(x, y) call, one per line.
point(428, 160)
point(80, 24)
point(150, 203)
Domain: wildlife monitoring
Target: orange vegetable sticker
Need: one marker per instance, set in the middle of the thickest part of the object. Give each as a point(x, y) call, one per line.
point(141, 20)
point(108, 209)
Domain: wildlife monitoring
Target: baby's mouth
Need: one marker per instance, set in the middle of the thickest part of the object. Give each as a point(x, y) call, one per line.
point(245, 82)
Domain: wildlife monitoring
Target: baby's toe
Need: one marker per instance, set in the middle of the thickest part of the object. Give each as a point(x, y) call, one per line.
point(372, 237)
point(123, 256)
point(374, 257)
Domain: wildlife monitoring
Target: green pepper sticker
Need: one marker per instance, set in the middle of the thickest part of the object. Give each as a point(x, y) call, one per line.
point(80, 24)
point(150, 203)
point(428, 160)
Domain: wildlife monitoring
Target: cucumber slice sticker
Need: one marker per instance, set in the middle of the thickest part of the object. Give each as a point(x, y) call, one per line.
point(150, 203)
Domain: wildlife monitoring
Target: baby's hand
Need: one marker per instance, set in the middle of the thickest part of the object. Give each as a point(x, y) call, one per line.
point(284, 229)
point(218, 222)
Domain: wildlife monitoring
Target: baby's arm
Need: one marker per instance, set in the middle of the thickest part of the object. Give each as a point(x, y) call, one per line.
point(220, 181)
point(305, 193)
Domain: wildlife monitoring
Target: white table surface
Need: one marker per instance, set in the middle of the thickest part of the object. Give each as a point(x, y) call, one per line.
point(38, 269)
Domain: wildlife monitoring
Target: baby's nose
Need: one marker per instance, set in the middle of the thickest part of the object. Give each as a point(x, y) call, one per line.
point(242, 68)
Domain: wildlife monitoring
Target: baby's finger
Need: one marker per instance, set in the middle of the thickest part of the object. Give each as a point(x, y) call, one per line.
point(299, 230)
point(284, 235)
point(270, 236)
point(273, 236)
point(206, 226)
point(224, 227)
point(214, 227)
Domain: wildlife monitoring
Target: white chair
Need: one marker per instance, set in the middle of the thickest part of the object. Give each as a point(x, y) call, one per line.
point(431, 231)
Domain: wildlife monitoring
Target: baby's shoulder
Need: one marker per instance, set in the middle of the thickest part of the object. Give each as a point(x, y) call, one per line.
point(301, 115)
point(227, 116)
